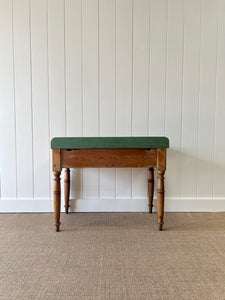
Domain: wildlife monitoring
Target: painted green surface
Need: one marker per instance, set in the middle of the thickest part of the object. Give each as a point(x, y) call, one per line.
point(109, 142)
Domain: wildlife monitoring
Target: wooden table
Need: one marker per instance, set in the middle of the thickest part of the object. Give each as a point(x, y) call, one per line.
point(109, 152)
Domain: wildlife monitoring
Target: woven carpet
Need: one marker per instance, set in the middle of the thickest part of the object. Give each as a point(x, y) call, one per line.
point(112, 256)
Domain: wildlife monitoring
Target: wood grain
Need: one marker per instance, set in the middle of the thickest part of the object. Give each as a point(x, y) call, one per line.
point(57, 199)
point(67, 189)
point(161, 159)
point(108, 158)
point(150, 189)
point(56, 160)
point(160, 199)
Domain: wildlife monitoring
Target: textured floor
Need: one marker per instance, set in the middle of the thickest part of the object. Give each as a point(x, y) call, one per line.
point(112, 256)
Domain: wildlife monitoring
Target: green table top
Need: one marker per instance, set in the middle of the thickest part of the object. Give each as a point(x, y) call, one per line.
point(109, 142)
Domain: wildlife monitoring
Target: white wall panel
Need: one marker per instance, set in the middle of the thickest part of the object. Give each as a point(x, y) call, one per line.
point(73, 67)
point(174, 91)
point(158, 67)
point(124, 79)
point(56, 71)
point(23, 98)
point(207, 97)
point(189, 135)
point(39, 62)
point(8, 165)
point(73, 81)
point(90, 40)
point(112, 68)
point(140, 67)
point(140, 113)
point(124, 66)
point(107, 101)
point(56, 55)
point(157, 72)
point(107, 44)
point(219, 144)
point(90, 67)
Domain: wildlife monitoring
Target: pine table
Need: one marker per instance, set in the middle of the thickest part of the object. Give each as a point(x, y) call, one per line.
point(109, 152)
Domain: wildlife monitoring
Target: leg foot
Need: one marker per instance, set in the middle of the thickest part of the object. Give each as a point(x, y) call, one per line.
point(160, 226)
point(67, 189)
point(160, 199)
point(150, 189)
point(57, 226)
point(57, 199)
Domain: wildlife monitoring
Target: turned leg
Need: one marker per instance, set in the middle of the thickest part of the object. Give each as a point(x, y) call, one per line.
point(150, 189)
point(67, 189)
point(57, 199)
point(160, 198)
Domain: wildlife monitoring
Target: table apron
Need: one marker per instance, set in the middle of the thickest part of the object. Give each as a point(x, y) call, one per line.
point(108, 158)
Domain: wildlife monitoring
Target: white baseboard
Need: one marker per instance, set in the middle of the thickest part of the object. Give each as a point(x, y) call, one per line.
point(113, 205)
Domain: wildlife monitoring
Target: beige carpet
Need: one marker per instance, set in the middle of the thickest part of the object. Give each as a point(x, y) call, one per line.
point(112, 256)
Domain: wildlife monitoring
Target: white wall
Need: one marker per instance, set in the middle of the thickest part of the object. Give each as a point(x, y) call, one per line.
point(112, 68)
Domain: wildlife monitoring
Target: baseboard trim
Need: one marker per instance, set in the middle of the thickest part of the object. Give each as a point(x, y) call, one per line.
point(10, 205)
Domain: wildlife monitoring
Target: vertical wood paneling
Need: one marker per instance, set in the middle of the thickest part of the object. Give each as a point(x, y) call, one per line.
point(107, 67)
point(124, 77)
point(107, 86)
point(90, 87)
point(158, 67)
point(219, 144)
point(8, 188)
point(73, 73)
point(192, 37)
point(73, 61)
point(113, 68)
point(174, 86)
point(207, 97)
point(24, 112)
point(90, 67)
point(56, 67)
point(56, 71)
point(140, 87)
point(140, 67)
point(107, 183)
point(157, 88)
point(139, 183)
point(40, 97)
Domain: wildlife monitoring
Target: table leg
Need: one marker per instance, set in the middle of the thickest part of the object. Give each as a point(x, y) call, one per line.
point(57, 199)
point(67, 189)
point(150, 189)
point(160, 198)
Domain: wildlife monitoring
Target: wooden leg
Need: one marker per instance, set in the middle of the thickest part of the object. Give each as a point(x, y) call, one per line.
point(150, 189)
point(57, 199)
point(67, 189)
point(160, 198)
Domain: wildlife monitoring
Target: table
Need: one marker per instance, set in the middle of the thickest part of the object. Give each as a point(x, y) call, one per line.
point(109, 152)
